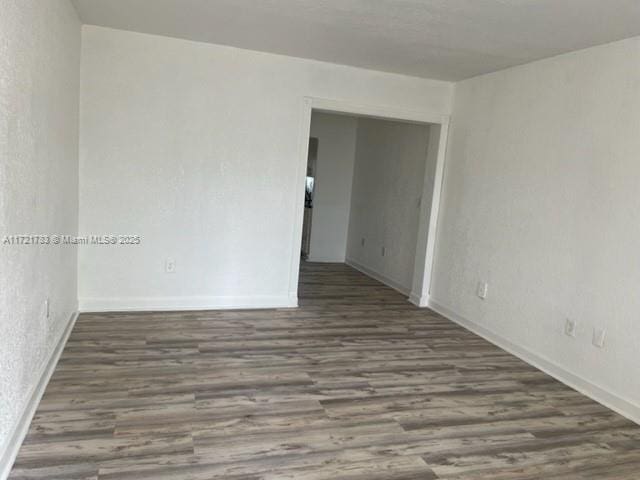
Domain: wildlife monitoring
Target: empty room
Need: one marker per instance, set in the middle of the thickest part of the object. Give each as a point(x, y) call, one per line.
point(319, 240)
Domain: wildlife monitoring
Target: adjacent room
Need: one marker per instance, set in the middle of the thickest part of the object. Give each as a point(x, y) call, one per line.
point(319, 240)
point(366, 180)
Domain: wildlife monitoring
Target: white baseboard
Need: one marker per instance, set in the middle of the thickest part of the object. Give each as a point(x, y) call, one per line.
point(293, 300)
point(10, 450)
point(324, 259)
point(390, 282)
point(419, 301)
point(137, 304)
point(623, 406)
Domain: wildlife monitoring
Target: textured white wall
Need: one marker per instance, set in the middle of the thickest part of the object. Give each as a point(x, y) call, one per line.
point(334, 174)
point(39, 85)
point(541, 200)
point(195, 148)
point(388, 182)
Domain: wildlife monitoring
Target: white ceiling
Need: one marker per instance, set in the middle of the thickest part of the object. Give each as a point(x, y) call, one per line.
point(442, 39)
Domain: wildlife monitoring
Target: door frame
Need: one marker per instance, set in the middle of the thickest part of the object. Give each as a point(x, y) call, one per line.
point(427, 228)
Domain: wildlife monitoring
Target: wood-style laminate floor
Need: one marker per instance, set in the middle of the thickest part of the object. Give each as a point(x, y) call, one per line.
point(356, 384)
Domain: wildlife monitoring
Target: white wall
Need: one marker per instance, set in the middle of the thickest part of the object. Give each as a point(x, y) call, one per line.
point(195, 147)
point(388, 184)
point(39, 86)
point(541, 200)
point(334, 175)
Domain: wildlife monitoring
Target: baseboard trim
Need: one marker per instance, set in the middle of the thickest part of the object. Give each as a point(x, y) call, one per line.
point(11, 448)
point(293, 300)
point(141, 304)
point(418, 300)
point(389, 282)
point(621, 405)
point(313, 259)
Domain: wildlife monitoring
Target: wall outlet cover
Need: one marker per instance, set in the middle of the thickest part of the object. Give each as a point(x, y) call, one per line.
point(570, 327)
point(599, 335)
point(170, 265)
point(483, 290)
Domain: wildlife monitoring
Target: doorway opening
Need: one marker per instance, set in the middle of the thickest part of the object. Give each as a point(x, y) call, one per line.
point(309, 190)
point(371, 193)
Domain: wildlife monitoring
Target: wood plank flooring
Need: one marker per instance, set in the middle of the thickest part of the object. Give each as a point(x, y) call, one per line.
point(356, 384)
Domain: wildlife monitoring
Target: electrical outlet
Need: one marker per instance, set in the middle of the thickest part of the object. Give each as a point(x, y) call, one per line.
point(483, 290)
point(170, 265)
point(570, 327)
point(383, 251)
point(598, 337)
point(362, 242)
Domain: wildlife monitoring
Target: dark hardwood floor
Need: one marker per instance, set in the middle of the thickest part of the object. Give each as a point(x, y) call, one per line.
point(356, 384)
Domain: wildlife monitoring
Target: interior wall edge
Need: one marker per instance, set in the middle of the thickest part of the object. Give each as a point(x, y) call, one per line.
point(15, 439)
point(617, 403)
